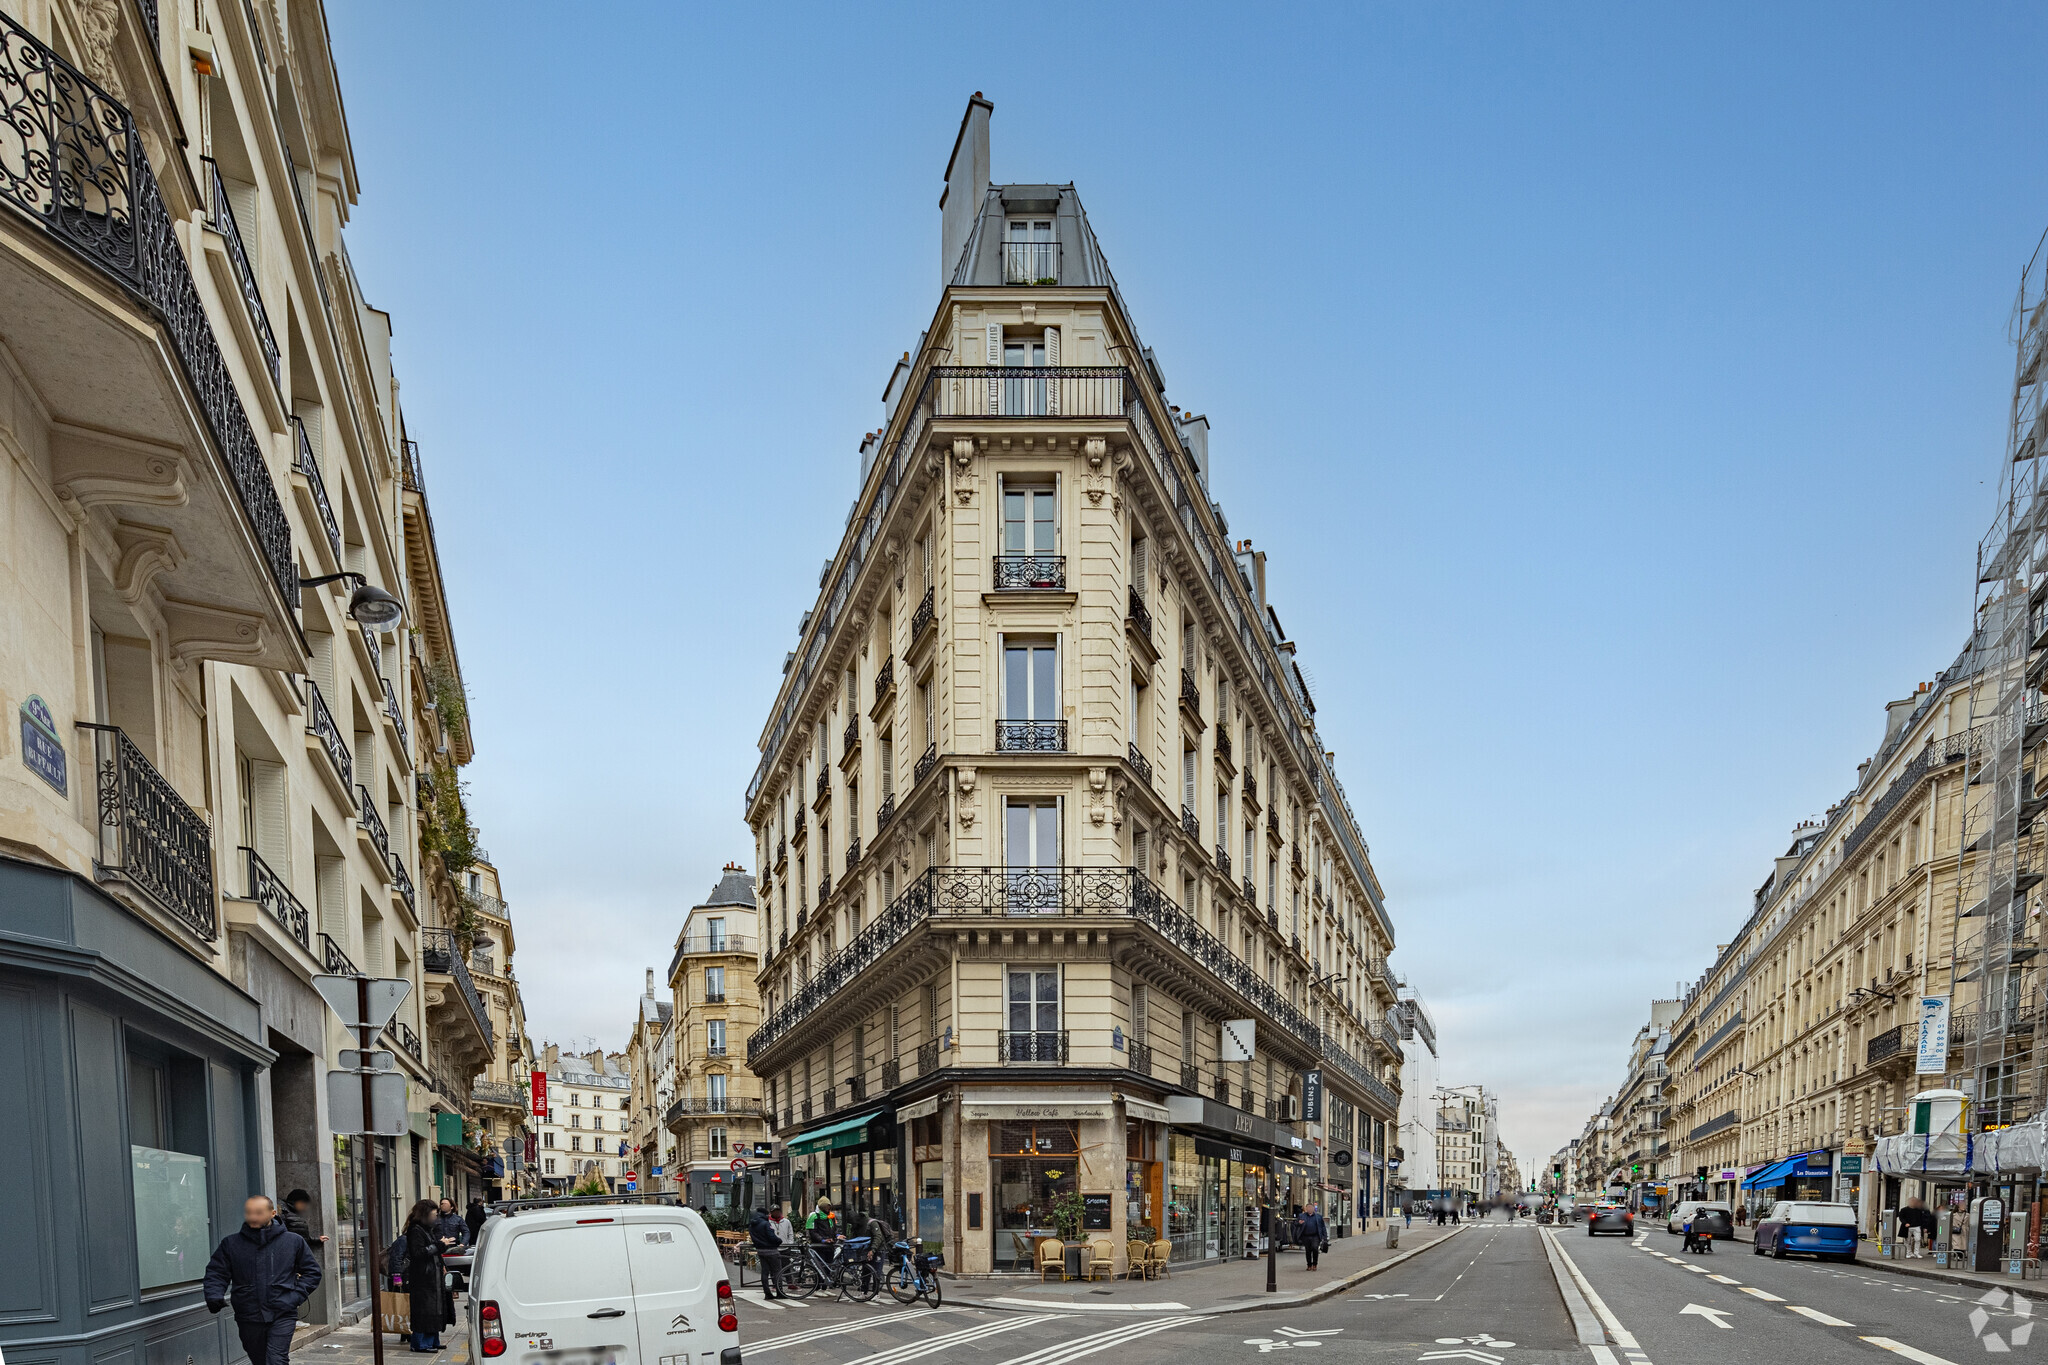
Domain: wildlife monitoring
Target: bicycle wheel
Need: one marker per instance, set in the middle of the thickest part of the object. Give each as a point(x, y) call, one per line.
point(904, 1285)
point(929, 1286)
point(863, 1281)
point(802, 1279)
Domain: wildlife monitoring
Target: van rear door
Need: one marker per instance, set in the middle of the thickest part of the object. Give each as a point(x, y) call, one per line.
point(566, 1295)
point(676, 1292)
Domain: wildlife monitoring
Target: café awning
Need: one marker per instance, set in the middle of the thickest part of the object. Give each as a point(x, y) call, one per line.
point(847, 1133)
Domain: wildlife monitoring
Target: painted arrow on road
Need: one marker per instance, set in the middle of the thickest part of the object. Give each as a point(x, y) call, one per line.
point(1480, 1356)
point(1713, 1315)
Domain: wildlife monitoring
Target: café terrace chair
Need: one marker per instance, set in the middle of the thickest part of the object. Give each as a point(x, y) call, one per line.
point(1052, 1255)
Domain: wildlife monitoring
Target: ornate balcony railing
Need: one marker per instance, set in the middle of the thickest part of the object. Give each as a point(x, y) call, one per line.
point(220, 216)
point(926, 613)
point(268, 890)
point(714, 997)
point(320, 724)
point(1140, 764)
point(366, 813)
point(303, 461)
point(1139, 1057)
point(1140, 614)
point(1222, 1091)
point(1031, 262)
point(797, 827)
point(1223, 861)
point(824, 784)
point(402, 879)
point(1027, 391)
point(1190, 690)
point(892, 1074)
point(1190, 1076)
point(403, 1035)
point(690, 1106)
point(1251, 891)
point(334, 961)
point(148, 837)
point(73, 162)
point(1191, 822)
point(1251, 786)
point(852, 736)
point(1016, 573)
point(852, 853)
point(927, 1057)
point(1223, 744)
point(397, 714)
point(440, 953)
point(501, 1093)
point(885, 677)
point(926, 761)
point(1053, 891)
point(1272, 821)
point(1032, 1047)
point(1031, 736)
point(824, 888)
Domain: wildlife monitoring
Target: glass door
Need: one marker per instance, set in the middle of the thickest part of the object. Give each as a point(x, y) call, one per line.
point(1031, 856)
point(1024, 395)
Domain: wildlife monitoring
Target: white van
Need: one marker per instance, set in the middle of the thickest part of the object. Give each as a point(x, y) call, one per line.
point(588, 1282)
point(1688, 1207)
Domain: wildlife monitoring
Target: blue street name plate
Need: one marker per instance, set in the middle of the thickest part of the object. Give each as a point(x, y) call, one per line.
point(42, 752)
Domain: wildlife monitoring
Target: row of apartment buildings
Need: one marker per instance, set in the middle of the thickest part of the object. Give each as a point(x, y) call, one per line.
point(237, 714)
point(1888, 955)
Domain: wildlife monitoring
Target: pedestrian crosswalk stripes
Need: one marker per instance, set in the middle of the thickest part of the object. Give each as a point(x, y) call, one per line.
point(837, 1329)
point(1101, 1341)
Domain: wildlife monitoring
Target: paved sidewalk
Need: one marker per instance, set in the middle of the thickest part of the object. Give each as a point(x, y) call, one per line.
point(351, 1346)
point(1214, 1287)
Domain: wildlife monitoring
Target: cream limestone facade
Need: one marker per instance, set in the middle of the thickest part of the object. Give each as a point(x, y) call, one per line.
point(216, 735)
point(715, 1115)
point(1060, 898)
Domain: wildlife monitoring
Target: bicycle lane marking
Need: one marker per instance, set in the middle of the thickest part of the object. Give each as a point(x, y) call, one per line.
point(1622, 1336)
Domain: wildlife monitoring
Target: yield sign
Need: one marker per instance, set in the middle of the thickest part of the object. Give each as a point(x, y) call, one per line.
point(1713, 1315)
point(341, 993)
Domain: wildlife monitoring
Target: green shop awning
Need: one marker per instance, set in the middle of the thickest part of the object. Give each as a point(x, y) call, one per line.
point(848, 1133)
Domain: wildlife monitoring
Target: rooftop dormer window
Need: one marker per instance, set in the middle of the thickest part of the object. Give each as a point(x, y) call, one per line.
point(1030, 255)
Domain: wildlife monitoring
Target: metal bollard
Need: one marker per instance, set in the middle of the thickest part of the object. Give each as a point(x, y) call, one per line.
point(1393, 1233)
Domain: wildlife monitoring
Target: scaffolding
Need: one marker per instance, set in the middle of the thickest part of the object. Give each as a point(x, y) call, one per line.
point(2001, 863)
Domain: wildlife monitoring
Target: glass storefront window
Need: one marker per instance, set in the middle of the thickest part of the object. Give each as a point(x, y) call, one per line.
point(173, 1232)
point(351, 1233)
point(1033, 1164)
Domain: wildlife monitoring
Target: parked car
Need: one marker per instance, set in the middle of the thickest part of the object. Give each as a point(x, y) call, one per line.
point(1610, 1218)
point(582, 1280)
point(1688, 1207)
point(1810, 1228)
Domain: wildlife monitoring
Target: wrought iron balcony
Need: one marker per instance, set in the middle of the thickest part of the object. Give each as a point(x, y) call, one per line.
point(73, 162)
point(148, 837)
point(804, 1110)
point(1251, 891)
point(926, 613)
point(503, 1094)
point(714, 1106)
point(851, 740)
point(1294, 857)
point(1035, 391)
point(403, 1035)
point(1031, 736)
point(1223, 744)
point(781, 852)
point(926, 761)
point(1251, 786)
point(856, 1089)
point(1025, 572)
point(1190, 822)
point(1141, 764)
point(1190, 1076)
point(1190, 690)
point(852, 853)
point(714, 997)
point(824, 784)
point(1033, 263)
point(885, 677)
point(715, 943)
point(1032, 1047)
point(1140, 614)
point(803, 915)
point(928, 1057)
point(797, 828)
point(366, 814)
point(397, 714)
point(304, 463)
point(334, 961)
point(714, 1050)
point(440, 954)
point(220, 216)
point(824, 888)
point(1222, 1091)
point(320, 724)
point(892, 1074)
point(1139, 1057)
point(1272, 821)
point(268, 890)
point(1223, 861)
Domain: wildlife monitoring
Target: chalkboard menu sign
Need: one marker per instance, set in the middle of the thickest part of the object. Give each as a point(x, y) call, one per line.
point(1095, 1213)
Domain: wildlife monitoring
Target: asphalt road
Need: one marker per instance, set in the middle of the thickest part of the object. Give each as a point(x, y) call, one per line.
point(1487, 1297)
point(1664, 1307)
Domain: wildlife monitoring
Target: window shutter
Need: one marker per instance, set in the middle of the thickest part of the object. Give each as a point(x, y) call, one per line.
point(330, 889)
point(995, 359)
point(273, 841)
point(1052, 383)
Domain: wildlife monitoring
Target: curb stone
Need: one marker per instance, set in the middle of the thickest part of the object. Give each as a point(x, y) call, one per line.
point(1585, 1323)
point(1263, 1303)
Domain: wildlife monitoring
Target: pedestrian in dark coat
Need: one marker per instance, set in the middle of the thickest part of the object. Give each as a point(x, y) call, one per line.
point(1315, 1234)
point(768, 1249)
point(266, 1272)
point(475, 1220)
point(423, 1275)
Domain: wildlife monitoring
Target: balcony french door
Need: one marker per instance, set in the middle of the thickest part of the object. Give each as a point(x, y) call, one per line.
point(1031, 855)
point(1033, 1022)
point(1030, 256)
point(1024, 396)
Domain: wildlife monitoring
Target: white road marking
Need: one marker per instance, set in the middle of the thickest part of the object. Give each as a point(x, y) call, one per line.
point(1622, 1336)
point(1767, 1297)
point(1101, 1341)
point(818, 1333)
point(1822, 1318)
point(1097, 1307)
point(896, 1355)
point(1909, 1352)
point(1713, 1315)
point(1604, 1355)
point(1723, 1279)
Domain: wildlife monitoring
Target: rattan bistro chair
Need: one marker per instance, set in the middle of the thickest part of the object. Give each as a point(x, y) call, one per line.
point(1052, 1255)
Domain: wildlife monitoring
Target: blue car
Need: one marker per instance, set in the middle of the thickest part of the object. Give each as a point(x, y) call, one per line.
point(1808, 1228)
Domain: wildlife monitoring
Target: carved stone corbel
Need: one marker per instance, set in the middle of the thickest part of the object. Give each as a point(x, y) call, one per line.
point(92, 468)
point(99, 22)
point(1096, 482)
point(146, 551)
point(963, 462)
point(1098, 789)
point(199, 631)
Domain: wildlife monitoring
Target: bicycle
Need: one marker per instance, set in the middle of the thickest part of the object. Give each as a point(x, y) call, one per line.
point(912, 1274)
point(811, 1272)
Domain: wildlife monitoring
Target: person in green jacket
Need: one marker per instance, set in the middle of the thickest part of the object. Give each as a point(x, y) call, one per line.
point(822, 1225)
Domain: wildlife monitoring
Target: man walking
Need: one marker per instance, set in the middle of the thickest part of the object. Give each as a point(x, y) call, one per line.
point(1315, 1234)
point(266, 1272)
point(768, 1249)
point(1917, 1225)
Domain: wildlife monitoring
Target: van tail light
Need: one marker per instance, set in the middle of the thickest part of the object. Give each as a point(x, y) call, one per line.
point(493, 1328)
point(728, 1312)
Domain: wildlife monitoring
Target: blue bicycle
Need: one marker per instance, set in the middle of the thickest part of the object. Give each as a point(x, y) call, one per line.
point(913, 1274)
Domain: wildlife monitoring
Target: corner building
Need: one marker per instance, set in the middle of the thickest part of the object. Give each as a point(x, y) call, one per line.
point(1059, 893)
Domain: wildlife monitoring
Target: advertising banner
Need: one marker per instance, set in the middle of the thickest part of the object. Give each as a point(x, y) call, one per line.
point(540, 1094)
point(1933, 1051)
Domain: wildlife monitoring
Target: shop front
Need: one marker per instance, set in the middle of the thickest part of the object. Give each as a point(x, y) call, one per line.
point(1042, 1148)
point(853, 1163)
point(1810, 1175)
point(1223, 1164)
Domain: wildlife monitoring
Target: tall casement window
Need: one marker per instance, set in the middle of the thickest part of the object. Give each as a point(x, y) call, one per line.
point(1032, 1019)
point(714, 985)
point(1031, 856)
point(1031, 698)
point(1024, 396)
point(1187, 780)
point(714, 1089)
point(1030, 256)
point(714, 1037)
point(1030, 556)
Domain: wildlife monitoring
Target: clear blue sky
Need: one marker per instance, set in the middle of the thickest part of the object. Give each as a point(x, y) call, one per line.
point(1619, 392)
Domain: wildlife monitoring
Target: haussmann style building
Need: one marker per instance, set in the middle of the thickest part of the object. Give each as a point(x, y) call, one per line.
point(1062, 907)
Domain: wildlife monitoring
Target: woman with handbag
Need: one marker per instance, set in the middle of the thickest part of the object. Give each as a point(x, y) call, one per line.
point(423, 1277)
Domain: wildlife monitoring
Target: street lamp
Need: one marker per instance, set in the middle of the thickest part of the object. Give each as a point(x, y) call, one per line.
point(368, 605)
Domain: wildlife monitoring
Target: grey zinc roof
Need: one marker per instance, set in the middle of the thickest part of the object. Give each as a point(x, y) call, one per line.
point(1081, 259)
point(734, 888)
